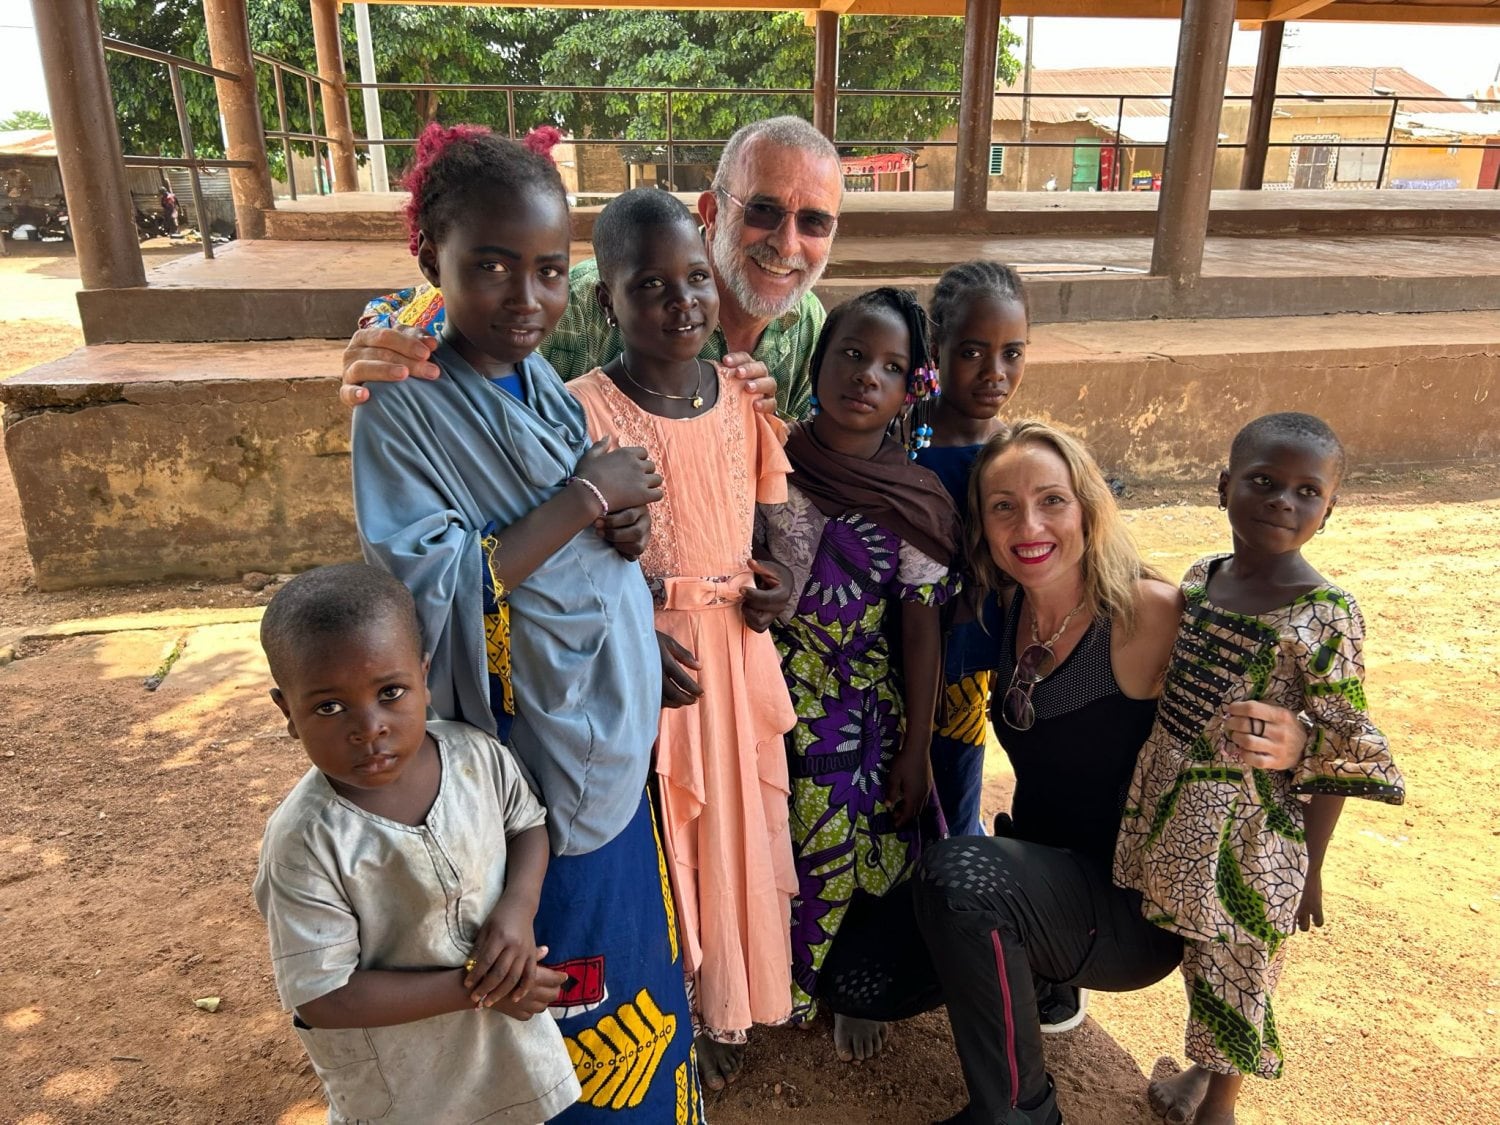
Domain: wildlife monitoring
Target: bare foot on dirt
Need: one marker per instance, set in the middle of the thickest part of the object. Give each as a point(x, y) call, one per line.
point(1176, 1099)
point(856, 1040)
point(1217, 1106)
point(718, 1063)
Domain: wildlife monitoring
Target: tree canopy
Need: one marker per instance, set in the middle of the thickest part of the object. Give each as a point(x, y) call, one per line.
point(552, 48)
point(25, 119)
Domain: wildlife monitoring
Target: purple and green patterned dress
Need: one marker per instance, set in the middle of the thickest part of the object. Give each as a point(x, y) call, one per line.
point(836, 646)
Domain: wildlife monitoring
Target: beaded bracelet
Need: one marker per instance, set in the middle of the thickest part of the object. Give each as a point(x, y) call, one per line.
point(594, 488)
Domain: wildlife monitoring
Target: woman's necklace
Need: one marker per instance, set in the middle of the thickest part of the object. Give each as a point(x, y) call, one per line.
point(696, 398)
point(1052, 640)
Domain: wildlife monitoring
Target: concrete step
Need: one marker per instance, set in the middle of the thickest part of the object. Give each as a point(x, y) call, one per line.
point(271, 290)
point(378, 216)
point(142, 461)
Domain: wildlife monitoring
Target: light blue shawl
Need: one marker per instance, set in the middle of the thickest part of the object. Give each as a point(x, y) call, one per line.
point(434, 464)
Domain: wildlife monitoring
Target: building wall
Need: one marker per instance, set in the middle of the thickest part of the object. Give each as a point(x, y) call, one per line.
point(1439, 165)
point(935, 165)
point(1293, 127)
point(601, 169)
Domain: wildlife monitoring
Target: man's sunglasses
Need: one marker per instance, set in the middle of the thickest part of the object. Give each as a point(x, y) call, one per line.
point(768, 216)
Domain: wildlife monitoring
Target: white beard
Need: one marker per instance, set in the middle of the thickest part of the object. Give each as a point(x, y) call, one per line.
point(732, 264)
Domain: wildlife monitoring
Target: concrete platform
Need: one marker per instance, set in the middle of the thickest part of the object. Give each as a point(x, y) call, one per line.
point(139, 461)
point(269, 290)
point(377, 215)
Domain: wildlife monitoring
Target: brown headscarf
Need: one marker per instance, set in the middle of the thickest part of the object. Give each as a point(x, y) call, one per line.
point(892, 490)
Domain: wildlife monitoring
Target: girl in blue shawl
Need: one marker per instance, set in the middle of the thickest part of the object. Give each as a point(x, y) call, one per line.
point(482, 493)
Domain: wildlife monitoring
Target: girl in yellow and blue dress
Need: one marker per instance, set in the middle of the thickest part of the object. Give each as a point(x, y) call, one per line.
point(482, 492)
point(1224, 833)
point(979, 331)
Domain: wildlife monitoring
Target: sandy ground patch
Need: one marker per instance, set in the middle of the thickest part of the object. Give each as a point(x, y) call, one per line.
point(132, 820)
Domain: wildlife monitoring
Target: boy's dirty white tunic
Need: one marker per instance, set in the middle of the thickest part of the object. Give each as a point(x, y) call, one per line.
point(344, 889)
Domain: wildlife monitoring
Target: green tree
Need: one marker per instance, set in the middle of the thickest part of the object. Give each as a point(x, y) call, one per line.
point(25, 119)
point(412, 44)
point(552, 48)
point(746, 50)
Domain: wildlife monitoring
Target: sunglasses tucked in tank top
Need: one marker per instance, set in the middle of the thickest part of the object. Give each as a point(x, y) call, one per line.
point(1074, 765)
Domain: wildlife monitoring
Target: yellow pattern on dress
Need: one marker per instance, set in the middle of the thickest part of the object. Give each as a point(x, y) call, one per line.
point(616, 1059)
point(497, 629)
point(688, 1097)
point(965, 706)
point(666, 886)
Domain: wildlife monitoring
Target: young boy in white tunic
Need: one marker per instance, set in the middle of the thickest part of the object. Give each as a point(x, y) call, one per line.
point(399, 879)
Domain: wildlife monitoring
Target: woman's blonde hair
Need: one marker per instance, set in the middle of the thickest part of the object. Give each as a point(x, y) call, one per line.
point(1112, 564)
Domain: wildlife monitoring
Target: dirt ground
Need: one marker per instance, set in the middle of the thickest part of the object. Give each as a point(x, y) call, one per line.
point(132, 819)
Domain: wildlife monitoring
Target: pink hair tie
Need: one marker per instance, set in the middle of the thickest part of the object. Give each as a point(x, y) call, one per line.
point(542, 139)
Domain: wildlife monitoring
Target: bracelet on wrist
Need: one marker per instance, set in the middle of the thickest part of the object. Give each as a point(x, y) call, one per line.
point(594, 488)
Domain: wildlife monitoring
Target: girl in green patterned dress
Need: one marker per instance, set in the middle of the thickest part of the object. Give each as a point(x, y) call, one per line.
point(1214, 834)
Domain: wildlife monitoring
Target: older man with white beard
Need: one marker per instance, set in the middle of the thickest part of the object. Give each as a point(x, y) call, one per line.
point(768, 219)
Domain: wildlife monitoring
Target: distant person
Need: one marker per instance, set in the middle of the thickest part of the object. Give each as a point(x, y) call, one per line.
point(870, 539)
point(399, 879)
point(768, 223)
point(1214, 836)
point(482, 492)
point(17, 184)
point(720, 762)
point(170, 212)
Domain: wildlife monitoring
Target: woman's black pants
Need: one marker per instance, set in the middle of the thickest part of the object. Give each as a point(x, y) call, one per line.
point(982, 917)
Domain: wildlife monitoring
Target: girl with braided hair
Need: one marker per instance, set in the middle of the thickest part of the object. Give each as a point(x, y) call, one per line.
point(979, 330)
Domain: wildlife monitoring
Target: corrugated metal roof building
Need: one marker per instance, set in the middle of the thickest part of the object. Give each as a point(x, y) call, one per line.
point(1148, 90)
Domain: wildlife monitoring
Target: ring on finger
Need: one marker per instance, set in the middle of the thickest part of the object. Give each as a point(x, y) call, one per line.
point(1258, 727)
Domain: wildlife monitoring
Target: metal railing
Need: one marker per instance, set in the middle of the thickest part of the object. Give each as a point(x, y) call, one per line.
point(189, 159)
point(1121, 141)
point(669, 141)
point(282, 133)
point(671, 96)
point(1386, 145)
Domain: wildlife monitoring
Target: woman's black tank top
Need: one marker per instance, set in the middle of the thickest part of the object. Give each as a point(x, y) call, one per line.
point(1073, 766)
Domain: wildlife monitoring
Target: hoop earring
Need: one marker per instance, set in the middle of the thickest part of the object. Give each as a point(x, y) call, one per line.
point(1223, 504)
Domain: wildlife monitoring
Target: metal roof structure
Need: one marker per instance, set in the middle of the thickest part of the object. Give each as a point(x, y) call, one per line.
point(1107, 83)
point(1446, 126)
point(1249, 12)
point(27, 142)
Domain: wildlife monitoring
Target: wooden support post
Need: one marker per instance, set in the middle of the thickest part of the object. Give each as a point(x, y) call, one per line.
point(826, 74)
point(1262, 106)
point(1192, 139)
point(88, 144)
point(976, 111)
point(239, 105)
point(325, 21)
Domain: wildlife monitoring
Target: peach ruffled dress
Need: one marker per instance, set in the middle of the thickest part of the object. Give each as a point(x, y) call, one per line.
point(721, 762)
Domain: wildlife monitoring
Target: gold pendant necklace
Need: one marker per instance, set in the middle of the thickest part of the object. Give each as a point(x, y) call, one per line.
point(696, 398)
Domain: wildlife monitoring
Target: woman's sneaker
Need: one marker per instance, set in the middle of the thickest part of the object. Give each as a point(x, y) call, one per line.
point(1062, 1007)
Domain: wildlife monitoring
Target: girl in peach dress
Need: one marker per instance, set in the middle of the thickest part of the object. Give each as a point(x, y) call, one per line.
point(720, 758)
